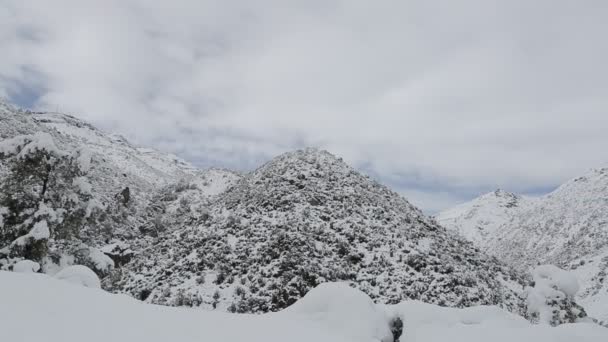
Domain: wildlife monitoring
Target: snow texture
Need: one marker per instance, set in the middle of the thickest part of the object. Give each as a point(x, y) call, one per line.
point(26, 266)
point(346, 310)
point(424, 322)
point(332, 313)
point(100, 259)
point(562, 280)
point(40, 231)
point(80, 275)
point(84, 159)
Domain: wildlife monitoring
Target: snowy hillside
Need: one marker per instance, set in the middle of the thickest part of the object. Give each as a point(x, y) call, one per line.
point(303, 219)
point(568, 228)
point(36, 307)
point(136, 191)
point(140, 165)
point(479, 219)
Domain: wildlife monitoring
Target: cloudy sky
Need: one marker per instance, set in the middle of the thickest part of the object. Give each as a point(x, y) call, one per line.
point(442, 100)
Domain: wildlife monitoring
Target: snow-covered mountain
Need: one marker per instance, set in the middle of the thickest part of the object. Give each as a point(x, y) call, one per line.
point(479, 219)
point(115, 166)
point(141, 164)
point(305, 218)
point(168, 233)
point(567, 227)
point(117, 162)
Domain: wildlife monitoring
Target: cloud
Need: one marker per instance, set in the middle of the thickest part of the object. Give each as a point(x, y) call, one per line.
point(450, 98)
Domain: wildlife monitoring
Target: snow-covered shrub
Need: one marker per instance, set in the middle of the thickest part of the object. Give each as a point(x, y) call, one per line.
point(63, 253)
point(80, 275)
point(26, 266)
point(551, 298)
point(95, 259)
point(120, 252)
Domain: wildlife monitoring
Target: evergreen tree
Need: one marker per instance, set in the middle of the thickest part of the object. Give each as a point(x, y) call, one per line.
point(44, 195)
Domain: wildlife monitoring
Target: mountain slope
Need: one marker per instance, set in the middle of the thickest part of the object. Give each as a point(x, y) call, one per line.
point(306, 218)
point(479, 219)
point(567, 227)
point(117, 163)
point(155, 184)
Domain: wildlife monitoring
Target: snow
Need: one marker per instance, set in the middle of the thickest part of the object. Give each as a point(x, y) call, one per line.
point(100, 259)
point(481, 218)
point(93, 205)
point(149, 167)
point(424, 244)
point(40, 231)
point(551, 286)
point(344, 309)
point(82, 185)
point(12, 145)
point(84, 159)
point(333, 312)
point(567, 227)
point(593, 295)
point(428, 323)
point(26, 266)
point(308, 215)
point(46, 211)
point(40, 141)
point(563, 280)
point(80, 275)
point(115, 246)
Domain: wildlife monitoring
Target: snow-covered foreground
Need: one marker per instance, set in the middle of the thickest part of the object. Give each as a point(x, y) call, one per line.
point(35, 307)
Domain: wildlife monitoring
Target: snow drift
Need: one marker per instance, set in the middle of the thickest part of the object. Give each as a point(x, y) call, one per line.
point(61, 311)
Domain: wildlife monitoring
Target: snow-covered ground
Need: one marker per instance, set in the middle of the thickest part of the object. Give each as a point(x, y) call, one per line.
point(36, 307)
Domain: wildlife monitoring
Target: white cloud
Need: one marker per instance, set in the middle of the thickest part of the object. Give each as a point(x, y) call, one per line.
point(463, 95)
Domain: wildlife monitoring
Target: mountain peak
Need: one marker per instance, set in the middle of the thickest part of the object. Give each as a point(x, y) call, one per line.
point(309, 155)
point(307, 217)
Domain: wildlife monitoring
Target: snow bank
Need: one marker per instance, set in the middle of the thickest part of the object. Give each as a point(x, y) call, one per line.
point(429, 323)
point(26, 266)
point(81, 275)
point(329, 313)
point(61, 312)
point(346, 310)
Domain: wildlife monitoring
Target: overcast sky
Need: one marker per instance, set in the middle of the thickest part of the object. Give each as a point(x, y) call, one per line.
point(441, 100)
